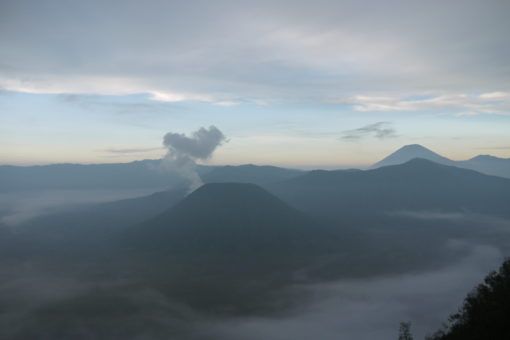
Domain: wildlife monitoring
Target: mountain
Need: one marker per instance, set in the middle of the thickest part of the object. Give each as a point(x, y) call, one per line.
point(408, 152)
point(486, 164)
point(249, 173)
point(138, 174)
point(229, 218)
point(418, 185)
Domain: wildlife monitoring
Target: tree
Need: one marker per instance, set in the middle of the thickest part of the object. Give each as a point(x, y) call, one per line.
point(404, 332)
point(485, 312)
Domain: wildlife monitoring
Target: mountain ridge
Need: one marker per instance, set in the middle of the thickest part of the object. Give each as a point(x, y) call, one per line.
point(416, 185)
point(486, 164)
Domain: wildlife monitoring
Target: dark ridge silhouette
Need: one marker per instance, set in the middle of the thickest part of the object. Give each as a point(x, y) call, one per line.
point(229, 218)
point(416, 185)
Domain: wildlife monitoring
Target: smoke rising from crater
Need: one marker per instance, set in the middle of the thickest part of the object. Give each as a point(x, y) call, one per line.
point(184, 151)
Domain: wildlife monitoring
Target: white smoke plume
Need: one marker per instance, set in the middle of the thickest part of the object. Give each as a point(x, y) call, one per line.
point(184, 151)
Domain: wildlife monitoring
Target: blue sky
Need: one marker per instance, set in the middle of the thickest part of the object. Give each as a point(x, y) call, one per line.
point(302, 84)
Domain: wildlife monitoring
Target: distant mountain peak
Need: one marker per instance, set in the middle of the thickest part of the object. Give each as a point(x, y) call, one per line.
point(486, 164)
point(486, 157)
point(414, 147)
point(409, 152)
point(418, 148)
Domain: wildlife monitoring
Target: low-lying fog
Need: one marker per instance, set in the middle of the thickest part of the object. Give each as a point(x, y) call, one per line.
point(351, 308)
point(367, 309)
point(20, 206)
point(363, 309)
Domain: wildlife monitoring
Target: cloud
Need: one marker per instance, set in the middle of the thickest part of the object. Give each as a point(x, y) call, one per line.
point(490, 223)
point(130, 151)
point(199, 146)
point(495, 95)
point(236, 51)
point(184, 151)
point(371, 308)
point(379, 130)
point(106, 86)
point(463, 104)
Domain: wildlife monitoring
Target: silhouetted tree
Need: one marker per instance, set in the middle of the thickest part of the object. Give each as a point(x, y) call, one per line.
point(404, 332)
point(485, 313)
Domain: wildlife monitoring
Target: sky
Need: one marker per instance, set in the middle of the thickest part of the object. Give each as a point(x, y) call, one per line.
point(304, 84)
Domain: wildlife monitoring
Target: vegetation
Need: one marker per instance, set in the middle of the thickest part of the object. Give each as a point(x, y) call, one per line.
point(405, 331)
point(485, 312)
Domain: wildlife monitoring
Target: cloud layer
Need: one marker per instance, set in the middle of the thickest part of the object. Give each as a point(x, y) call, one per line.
point(367, 309)
point(265, 51)
point(463, 104)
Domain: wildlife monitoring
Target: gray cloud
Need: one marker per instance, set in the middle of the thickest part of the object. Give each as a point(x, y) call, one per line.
point(129, 151)
point(230, 51)
point(199, 146)
point(184, 151)
point(380, 130)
